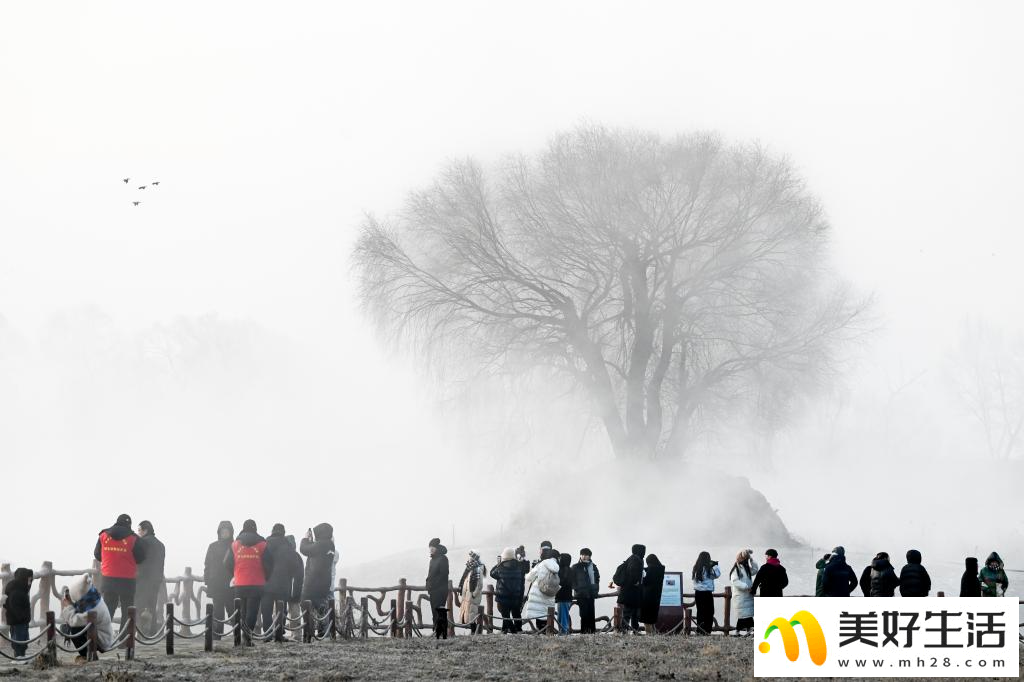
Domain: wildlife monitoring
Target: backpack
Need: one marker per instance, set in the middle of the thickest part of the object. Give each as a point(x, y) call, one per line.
point(549, 583)
point(620, 575)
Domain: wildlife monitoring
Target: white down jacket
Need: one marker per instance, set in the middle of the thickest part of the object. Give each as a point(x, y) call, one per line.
point(537, 602)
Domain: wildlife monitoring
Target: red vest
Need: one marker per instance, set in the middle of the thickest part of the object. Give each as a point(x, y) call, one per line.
point(117, 556)
point(249, 563)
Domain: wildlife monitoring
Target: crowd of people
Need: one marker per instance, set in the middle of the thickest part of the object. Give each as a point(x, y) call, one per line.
point(270, 578)
point(268, 575)
point(525, 590)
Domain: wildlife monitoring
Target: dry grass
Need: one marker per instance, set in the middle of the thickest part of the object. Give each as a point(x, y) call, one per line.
point(600, 657)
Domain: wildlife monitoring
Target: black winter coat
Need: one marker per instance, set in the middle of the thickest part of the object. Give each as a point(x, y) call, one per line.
point(215, 574)
point(883, 579)
point(320, 564)
point(654, 578)
point(18, 604)
point(285, 580)
point(564, 593)
point(865, 582)
point(772, 579)
point(839, 580)
point(970, 586)
point(581, 581)
point(437, 578)
point(509, 583)
point(631, 573)
point(151, 571)
point(914, 579)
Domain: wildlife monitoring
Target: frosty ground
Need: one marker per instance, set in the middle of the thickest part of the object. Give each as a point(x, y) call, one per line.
point(462, 658)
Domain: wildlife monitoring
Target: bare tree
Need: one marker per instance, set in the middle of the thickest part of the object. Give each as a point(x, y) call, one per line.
point(988, 372)
point(660, 276)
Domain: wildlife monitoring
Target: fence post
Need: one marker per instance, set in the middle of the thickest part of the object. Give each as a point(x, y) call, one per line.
point(280, 620)
point(46, 583)
point(208, 634)
point(489, 600)
point(237, 621)
point(617, 618)
point(727, 595)
point(940, 593)
point(186, 600)
point(5, 577)
point(342, 616)
point(129, 653)
point(332, 621)
point(409, 619)
point(549, 625)
point(401, 603)
point(307, 622)
point(97, 575)
point(364, 618)
point(687, 620)
point(90, 647)
point(480, 619)
point(51, 636)
point(394, 619)
point(450, 603)
point(169, 634)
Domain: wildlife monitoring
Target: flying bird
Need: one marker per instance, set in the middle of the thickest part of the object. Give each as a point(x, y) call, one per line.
point(155, 182)
point(126, 180)
point(136, 203)
point(142, 187)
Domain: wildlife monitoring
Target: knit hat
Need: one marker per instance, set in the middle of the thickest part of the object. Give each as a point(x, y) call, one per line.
point(508, 554)
point(146, 526)
point(79, 586)
point(586, 552)
point(124, 520)
point(278, 529)
point(839, 550)
point(249, 526)
point(434, 542)
point(772, 553)
point(545, 543)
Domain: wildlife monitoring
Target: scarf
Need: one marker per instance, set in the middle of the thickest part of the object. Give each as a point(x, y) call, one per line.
point(88, 601)
point(774, 561)
point(473, 570)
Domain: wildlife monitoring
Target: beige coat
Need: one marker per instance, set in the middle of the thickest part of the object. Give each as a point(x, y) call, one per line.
point(470, 600)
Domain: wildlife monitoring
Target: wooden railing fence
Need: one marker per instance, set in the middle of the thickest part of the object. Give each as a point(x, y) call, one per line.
point(352, 612)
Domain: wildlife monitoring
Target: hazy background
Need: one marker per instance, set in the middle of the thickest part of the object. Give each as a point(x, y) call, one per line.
point(201, 356)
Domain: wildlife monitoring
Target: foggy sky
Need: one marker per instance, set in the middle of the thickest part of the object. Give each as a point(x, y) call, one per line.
point(274, 130)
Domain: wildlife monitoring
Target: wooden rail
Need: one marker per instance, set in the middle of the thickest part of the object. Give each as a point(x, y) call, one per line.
point(394, 610)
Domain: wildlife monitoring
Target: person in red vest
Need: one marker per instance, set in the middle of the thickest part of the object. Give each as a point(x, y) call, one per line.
point(250, 564)
point(119, 552)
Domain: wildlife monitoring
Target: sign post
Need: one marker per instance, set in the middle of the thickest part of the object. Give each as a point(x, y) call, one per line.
point(671, 612)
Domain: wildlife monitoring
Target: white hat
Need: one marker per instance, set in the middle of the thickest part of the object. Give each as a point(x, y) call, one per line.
point(79, 586)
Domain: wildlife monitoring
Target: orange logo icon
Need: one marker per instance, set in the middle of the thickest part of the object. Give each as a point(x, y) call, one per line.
point(812, 631)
